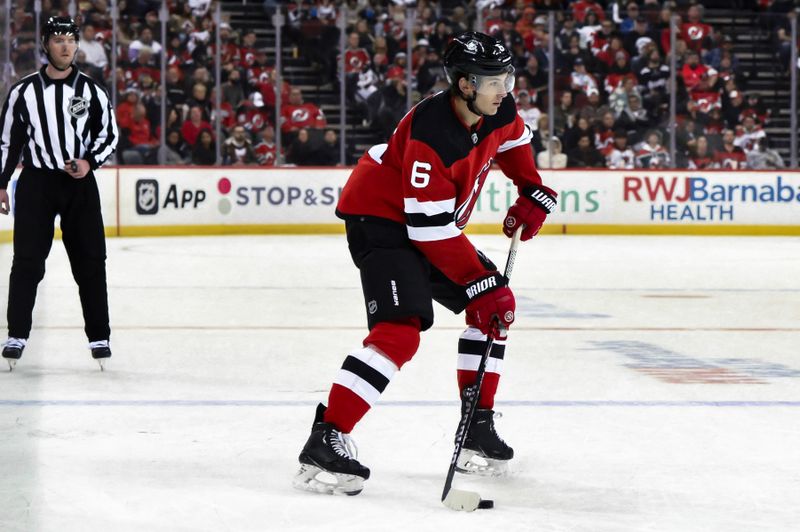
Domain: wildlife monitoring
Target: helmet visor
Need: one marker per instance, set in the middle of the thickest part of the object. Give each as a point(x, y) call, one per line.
point(494, 85)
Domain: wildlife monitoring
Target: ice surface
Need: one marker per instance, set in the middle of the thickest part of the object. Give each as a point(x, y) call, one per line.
point(650, 384)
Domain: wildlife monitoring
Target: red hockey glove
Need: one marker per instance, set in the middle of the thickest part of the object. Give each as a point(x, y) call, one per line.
point(531, 208)
point(489, 297)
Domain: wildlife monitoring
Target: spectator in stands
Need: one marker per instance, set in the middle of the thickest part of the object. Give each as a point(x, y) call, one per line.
point(588, 28)
point(328, 154)
point(141, 144)
point(619, 155)
point(638, 37)
point(783, 40)
point(442, 35)
point(567, 32)
point(564, 114)
point(126, 107)
point(631, 14)
point(143, 64)
point(730, 157)
point(542, 134)
point(238, 149)
point(232, 89)
point(247, 50)
point(763, 157)
point(693, 70)
point(298, 114)
point(700, 157)
point(191, 128)
point(199, 98)
point(145, 40)
point(754, 107)
point(748, 134)
point(585, 155)
point(593, 110)
point(176, 95)
point(204, 152)
point(653, 80)
point(732, 109)
point(619, 100)
point(572, 135)
point(652, 154)
point(90, 70)
point(391, 107)
point(301, 150)
point(267, 150)
point(697, 35)
point(686, 137)
point(252, 114)
point(580, 80)
point(556, 160)
point(95, 53)
point(604, 133)
point(177, 151)
point(526, 110)
point(507, 35)
point(430, 72)
point(582, 7)
point(635, 119)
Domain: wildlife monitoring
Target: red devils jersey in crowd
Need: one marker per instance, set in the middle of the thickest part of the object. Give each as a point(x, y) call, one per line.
point(267, 91)
point(259, 74)
point(731, 160)
point(354, 60)
point(229, 52)
point(247, 56)
point(430, 174)
point(300, 116)
point(253, 119)
point(694, 34)
point(266, 153)
point(706, 100)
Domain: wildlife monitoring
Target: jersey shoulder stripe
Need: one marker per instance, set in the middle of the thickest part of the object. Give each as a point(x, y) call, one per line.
point(435, 124)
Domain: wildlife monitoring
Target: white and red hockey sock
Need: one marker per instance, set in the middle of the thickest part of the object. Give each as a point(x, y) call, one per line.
point(366, 372)
point(471, 347)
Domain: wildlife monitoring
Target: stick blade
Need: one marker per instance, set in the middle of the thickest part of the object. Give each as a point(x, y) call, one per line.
point(462, 500)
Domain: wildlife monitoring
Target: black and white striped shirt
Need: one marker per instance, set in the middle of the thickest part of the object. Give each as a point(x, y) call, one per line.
point(50, 121)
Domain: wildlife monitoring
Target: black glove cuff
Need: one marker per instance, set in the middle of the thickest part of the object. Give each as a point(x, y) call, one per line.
point(540, 197)
point(484, 285)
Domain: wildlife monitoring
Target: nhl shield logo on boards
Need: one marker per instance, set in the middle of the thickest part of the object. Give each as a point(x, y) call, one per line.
point(78, 106)
point(147, 196)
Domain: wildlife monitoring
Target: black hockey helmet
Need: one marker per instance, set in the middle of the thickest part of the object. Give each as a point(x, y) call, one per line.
point(59, 26)
point(476, 53)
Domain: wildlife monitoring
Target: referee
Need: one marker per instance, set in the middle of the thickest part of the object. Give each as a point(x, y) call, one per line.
point(61, 122)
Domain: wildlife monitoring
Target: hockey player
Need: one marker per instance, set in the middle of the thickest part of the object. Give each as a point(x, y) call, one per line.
point(405, 206)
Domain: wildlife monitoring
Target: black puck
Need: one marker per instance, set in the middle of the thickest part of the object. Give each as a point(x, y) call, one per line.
point(486, 504)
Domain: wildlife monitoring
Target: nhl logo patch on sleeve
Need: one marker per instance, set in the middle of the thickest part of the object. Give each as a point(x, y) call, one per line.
point(78, 106)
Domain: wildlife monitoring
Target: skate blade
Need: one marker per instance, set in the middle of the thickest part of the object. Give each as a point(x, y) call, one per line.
point(102, 362)
point(471, 463)
point(11, 363)
point(312, 478)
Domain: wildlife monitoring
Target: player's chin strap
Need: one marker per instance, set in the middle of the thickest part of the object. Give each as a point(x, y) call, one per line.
point(471, 102)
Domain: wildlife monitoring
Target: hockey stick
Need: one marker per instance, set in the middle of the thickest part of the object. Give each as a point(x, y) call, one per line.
point(457, 499)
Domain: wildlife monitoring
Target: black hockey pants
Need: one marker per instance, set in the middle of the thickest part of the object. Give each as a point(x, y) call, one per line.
point(40, 195)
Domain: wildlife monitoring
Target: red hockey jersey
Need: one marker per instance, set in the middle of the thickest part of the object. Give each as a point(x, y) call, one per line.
point(431, 172)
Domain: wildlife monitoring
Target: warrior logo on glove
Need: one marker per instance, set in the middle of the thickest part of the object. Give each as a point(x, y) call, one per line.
point(530, 209)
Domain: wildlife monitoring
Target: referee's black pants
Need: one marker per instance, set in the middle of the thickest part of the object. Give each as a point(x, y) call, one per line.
point(40, 195)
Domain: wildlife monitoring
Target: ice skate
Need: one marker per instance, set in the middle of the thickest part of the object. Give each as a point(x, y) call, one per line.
point(12, 351)
point(101, 352)
point(484, 452)
point(328, 462)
